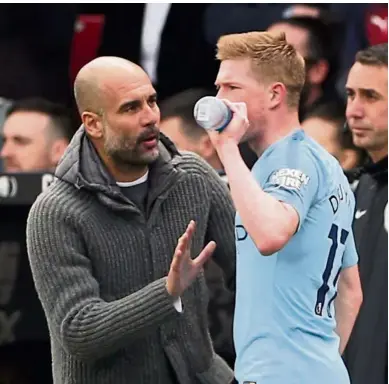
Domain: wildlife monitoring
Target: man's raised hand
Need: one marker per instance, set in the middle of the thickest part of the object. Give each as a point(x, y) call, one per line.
point(184, 269)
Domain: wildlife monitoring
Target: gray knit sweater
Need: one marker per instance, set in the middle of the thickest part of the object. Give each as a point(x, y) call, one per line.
point(100, 265)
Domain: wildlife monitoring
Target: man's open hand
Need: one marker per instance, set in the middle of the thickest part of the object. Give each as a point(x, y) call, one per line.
point(183, 270)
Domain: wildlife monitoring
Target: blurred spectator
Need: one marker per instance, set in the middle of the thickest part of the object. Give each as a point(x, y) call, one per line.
point(167, 40)
point(178, 123)
point(313, 10)
point(313, 38)
point(180, 126)
point(326, 125)
point(223, 19)
point(35, 134)
point(367, 115)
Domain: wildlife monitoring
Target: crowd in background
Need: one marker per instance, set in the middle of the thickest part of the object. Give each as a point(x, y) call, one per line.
point(46, 44)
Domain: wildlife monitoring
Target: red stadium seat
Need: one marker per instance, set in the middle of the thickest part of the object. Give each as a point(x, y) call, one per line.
point(377, 24)
point(88, 32)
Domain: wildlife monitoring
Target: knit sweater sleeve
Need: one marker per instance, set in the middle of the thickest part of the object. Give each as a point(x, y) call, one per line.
point(87, 326)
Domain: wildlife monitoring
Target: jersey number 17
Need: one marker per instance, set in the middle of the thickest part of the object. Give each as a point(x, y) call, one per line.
point(322, 292)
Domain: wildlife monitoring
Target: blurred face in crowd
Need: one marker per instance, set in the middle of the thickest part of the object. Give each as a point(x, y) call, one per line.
point(27, 143)
point(237, 82)
point(126, 128)
point(299, 10)
point(296, 36)
point(326, 133)
point(367, 108)
point(316, 71)
point(172, 128)
point(198, 142)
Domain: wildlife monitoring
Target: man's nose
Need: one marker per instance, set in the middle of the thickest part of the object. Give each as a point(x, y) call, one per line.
point(5, 151)
point(220, 94)
point(354, 109)
point(150, 115)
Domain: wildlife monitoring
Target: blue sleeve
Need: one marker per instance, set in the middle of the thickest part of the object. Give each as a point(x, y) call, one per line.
point(350, 255)
point(293, 178)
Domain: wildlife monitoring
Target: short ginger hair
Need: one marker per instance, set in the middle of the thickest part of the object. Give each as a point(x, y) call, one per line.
point(273, 59)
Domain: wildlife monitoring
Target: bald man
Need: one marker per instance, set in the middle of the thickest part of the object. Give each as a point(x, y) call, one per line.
point(117, 244)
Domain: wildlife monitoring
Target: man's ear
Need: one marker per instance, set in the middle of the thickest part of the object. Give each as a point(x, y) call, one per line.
point(92, 124)
point(277, 95)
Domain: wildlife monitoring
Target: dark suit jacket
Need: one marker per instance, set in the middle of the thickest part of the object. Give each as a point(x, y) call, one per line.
point(185, 59)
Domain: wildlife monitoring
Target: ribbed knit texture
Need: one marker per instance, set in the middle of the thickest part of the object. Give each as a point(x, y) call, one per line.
point(100, 268)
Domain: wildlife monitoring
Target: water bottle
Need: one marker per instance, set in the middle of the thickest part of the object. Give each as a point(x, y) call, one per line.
point(212, 114)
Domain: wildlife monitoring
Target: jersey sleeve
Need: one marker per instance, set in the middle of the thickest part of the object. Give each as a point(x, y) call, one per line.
point(350, 255)
point(293, 178)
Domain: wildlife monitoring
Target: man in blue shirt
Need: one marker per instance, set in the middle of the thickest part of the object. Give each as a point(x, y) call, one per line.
point(296, 257)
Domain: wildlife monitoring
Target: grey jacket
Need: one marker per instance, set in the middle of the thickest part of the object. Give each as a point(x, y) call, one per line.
point(100, 265)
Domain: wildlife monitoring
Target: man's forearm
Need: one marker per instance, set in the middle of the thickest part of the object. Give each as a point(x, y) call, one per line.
point(346, 310)
point(97, 329)
point(265, 218)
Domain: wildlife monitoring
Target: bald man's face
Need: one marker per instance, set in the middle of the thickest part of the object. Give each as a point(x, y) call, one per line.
point(130, 119)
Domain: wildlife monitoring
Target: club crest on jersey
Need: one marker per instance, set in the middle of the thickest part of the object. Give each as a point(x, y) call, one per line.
point(289, 178)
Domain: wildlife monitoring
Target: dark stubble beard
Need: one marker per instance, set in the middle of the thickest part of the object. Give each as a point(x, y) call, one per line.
point(126, 152)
